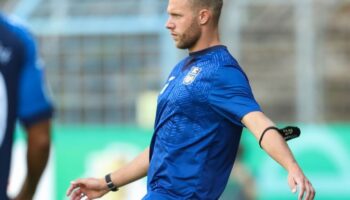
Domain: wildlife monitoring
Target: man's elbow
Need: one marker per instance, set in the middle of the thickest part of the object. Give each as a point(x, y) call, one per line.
point(43, 144)
point(39, 136)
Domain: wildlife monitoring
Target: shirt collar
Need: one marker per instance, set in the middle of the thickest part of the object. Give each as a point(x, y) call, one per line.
point(209, 49)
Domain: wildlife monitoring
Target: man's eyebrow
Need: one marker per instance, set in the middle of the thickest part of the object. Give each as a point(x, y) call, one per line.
point(174, 12)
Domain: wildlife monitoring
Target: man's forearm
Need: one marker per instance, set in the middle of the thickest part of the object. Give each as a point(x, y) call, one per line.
point(133, 171)
point(273, 143)
point(37, 156)
point(98, 187)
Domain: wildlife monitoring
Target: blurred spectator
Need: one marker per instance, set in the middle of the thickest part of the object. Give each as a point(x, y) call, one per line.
point(241, 184)
point(22, 96)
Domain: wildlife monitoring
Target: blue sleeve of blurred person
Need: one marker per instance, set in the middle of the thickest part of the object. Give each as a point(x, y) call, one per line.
point(34, 102)
point(232, 96)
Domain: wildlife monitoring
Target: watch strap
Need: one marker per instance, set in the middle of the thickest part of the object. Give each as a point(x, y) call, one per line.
point(112, 187)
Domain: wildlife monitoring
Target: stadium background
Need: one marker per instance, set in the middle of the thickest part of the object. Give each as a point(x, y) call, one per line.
point(106, 59)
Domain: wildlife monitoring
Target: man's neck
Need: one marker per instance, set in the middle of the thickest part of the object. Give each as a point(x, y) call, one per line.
point(207, 39)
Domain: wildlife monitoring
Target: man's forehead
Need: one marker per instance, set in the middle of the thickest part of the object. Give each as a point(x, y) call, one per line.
point(175, 4)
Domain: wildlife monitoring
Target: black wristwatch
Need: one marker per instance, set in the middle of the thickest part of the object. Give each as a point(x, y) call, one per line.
point(112, 187)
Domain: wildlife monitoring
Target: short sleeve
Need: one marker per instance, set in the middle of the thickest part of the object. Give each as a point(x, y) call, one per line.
point(231, 96)
point(34, 102)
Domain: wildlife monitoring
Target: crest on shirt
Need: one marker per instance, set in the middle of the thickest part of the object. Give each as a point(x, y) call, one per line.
point(192, 75)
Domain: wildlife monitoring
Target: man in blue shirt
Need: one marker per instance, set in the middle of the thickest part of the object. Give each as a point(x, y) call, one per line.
point(201, 111)
point(23, 97)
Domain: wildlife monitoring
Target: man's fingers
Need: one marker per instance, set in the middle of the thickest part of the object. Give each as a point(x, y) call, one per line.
point(78, 195)
point(74, 195)
point(292, 185)
point(298, 181)
point(310, 191)
point(307, 191)
point(74, 185)
point(313, 192)
point(302, 189)
point(70, 190)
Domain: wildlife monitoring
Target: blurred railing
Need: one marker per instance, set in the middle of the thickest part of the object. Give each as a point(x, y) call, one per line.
point(102, 55)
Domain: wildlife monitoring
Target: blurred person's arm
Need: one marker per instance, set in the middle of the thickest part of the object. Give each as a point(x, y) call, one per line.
point(37, 156)
point(274, 144)
point(97, 187)
point(241, 174)
point(35, 110)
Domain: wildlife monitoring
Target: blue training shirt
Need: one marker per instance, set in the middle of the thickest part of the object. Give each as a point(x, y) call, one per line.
point(198, 126)
point(22, 90)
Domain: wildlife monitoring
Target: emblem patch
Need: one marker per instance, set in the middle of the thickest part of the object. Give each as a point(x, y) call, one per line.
point(191, 76)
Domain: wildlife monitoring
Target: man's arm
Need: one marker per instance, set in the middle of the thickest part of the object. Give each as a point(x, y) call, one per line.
point(274, 144)
point(97, 187)
point(37, 156)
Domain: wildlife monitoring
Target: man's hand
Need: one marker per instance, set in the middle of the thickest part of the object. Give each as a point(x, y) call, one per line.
point(92, 188)
point(296, 178)
point(87, 188)
point(274, 144)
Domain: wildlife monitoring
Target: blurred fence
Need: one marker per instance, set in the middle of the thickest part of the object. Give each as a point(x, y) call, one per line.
point(101, 55)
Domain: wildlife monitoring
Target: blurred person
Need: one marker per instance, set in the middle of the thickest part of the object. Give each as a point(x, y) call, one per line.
point(22, 96)
point(201, 111)
point(241, 183)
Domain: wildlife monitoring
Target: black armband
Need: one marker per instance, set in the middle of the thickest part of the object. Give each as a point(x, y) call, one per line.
point(288, 133)
point(263, 133)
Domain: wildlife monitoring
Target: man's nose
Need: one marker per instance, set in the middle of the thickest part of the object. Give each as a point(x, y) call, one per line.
point(169, 24)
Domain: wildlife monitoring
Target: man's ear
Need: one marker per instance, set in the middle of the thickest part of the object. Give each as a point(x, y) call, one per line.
point(204, 16)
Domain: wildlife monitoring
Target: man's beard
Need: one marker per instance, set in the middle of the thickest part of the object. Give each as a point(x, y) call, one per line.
point(190, 36)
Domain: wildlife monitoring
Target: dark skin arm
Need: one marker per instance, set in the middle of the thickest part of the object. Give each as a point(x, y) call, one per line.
point(39, 143)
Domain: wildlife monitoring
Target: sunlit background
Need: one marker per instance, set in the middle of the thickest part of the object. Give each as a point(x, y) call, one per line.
point(106, 61)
